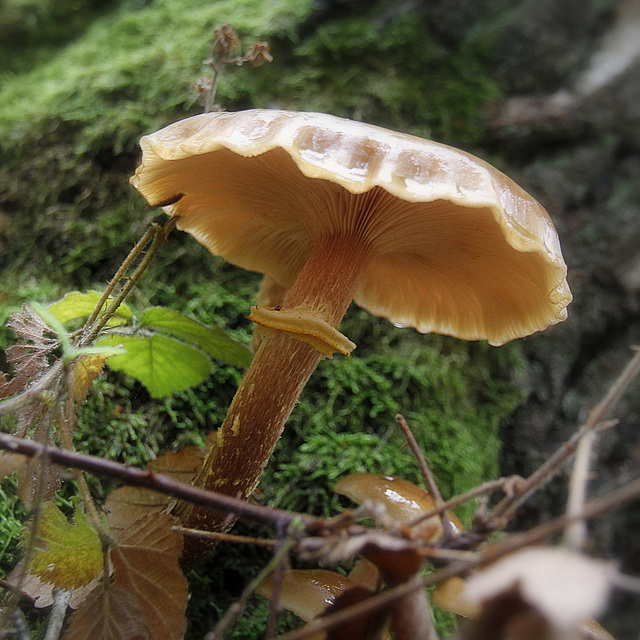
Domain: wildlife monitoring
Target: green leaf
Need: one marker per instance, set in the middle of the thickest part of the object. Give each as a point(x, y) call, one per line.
point(162, 364)
point(67, 555)
point(80, 305)
point(212, 340)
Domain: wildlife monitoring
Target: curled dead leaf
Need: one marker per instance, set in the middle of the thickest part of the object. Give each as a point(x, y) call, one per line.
point(146, 595)
point(562, 587)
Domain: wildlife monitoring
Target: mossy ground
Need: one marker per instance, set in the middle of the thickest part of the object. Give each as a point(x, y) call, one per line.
point(83, 80)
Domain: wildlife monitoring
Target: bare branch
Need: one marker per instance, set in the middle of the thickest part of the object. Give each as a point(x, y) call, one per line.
point(160, 483)
point(426, 473)
point(236, 608)
point(507, 507)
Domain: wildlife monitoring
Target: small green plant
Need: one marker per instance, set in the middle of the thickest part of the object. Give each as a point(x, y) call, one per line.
point(163, 349)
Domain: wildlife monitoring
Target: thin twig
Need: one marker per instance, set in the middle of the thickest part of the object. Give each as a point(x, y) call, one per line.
point(236, 608)
point(33, 525)
point(507, 507)
point(224, 537)
point(456, 501)
point(65, 426)
point(21, 628)
point(119, 274)
point(594, 508)
point(58, 613)
point(160, 483)
point(427, 475)
point(158, 235)
point(274, 602)
point(575, 534)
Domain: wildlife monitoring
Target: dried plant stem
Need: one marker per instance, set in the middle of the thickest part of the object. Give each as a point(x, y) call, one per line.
point(160, 483)
point(236, 608)
point(210, 94)
point(44, 454)
point(507, 507)
point(119, 274)
point(427, 475)
point(575, 534)
point(596, 507)
point(65, 426)
point(157, 235)
point(274, 602)
point(226, 537)
point(456, 501)
point(58, 614)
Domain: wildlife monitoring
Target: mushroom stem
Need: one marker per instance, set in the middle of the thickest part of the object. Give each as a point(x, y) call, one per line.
point(272, 384)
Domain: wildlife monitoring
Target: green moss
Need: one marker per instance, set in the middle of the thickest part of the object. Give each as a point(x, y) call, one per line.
point(71, 113)
point(131, 69)
point(454, 397)
point(387, 70)
point(12, 519)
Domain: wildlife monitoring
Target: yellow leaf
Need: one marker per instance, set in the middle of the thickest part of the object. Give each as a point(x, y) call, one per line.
point(67, 555)
point(83, 372)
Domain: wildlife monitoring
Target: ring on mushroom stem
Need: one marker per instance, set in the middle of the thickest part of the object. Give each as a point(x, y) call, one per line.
point(331, 211)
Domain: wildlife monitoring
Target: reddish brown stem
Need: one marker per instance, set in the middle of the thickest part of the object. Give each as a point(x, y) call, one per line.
point(272, 384)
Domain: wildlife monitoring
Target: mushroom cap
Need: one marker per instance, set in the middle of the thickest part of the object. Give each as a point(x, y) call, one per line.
point(402, 499)
point(457, 247)
point(307, 592)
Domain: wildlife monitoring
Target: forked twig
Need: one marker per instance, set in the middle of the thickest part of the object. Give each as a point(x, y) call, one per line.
point(508, 506)
point(456, 501)
point(236, 608)
point(157, 235)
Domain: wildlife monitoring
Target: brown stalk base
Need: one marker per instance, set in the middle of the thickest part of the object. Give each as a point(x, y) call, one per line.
point(271, 387)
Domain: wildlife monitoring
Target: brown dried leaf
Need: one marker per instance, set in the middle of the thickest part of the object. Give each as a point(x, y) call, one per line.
point(29, 326)
point(145, 562)
point(11, 462)
point(127, 504)
point(147, 594)
point(109, 613)
point(42, 592)
point(180, 465)
point(29, 356)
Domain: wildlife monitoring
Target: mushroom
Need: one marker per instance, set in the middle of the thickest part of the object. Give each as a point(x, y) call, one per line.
point(312, 593)
point(333, 211)
point(401, 499)
point(307, 592)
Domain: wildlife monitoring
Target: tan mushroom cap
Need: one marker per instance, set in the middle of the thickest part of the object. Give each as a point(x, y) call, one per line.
point(457, 247)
